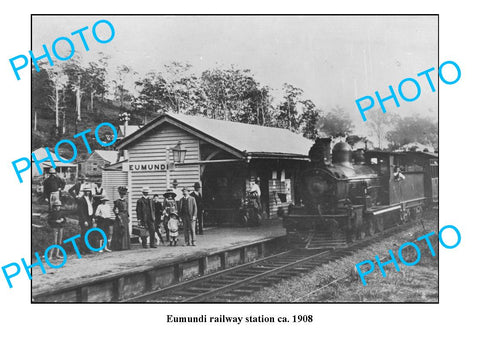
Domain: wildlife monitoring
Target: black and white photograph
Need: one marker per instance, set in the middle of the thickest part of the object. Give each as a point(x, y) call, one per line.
point(203, 174)
point(244, 159)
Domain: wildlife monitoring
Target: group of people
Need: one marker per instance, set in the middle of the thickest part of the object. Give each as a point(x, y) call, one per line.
point(154, 215)
point(178, 206)
point(92, 209)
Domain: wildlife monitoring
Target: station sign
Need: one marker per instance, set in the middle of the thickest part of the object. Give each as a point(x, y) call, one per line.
point(146, 166)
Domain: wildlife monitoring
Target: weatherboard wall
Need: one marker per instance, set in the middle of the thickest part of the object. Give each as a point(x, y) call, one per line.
point(152, 147)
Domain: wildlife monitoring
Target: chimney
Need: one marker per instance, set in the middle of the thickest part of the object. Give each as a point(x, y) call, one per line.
point(320, 152)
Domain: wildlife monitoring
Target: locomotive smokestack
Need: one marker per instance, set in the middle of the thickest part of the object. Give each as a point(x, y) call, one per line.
point(320, 152)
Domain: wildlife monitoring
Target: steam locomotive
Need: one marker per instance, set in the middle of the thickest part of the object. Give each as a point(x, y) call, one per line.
point(360, 193)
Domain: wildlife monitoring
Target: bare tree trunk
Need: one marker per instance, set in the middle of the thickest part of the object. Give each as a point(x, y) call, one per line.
point(263, 114)
point(288, 114)
point(35, 121)
point(64, 123)
point(224, 107)
point(79, 100)
point(91, 100)
point(57, 118)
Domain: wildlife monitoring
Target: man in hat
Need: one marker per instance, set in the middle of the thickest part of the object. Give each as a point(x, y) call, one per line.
point(76, 191)
point(146, 217)
point(176, 190)
point(104, 219)
point(85, 215)
point(199, 201)
point(188, 213)
point(52, 187)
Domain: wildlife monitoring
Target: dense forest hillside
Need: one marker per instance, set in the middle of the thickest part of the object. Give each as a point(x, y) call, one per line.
point(73, 96)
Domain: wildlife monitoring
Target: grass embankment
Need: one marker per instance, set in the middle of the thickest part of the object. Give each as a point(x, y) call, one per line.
point(417, 283)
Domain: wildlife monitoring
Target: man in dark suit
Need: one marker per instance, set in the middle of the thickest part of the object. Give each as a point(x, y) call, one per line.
point(199, 201)
point(188, 213)
point(85, 217)
point(52, 187)
point(146, 217)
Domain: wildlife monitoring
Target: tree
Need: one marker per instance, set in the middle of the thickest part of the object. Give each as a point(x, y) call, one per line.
point(311, 118)
point(223, 90)
point(229, 94)
point(175, 89)
point(59, 80)
point(380, 123)
point(78, 78)
point(337, 123)
point(120, 91)
point(288, 115)
point(42, 88)
point(95, 75)
point(414, 129)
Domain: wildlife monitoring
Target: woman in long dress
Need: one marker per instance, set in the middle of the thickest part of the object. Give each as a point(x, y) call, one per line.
point(121, 235)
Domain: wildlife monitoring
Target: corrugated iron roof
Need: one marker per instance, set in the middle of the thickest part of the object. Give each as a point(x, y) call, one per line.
point(41, 153)
point(128, 130)
point(253, 139)
point(108, 155)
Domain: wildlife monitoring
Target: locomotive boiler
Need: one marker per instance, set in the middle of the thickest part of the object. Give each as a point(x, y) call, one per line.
point(348, 195)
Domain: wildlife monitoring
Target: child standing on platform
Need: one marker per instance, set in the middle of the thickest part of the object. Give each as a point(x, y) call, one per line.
point(56, 220)
point(173, 228)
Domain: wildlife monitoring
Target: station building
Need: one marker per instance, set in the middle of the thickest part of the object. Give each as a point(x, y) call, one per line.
point(221, 155)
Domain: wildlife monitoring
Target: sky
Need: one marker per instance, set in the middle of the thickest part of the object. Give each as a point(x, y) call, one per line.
point(333, 59)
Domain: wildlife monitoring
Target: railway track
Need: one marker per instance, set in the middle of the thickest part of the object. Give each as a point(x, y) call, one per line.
point(233, 283)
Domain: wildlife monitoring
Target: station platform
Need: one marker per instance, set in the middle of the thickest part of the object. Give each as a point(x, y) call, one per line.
point(104, 277)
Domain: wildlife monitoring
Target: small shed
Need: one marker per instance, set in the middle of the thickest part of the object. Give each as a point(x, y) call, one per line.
point(93, 165)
